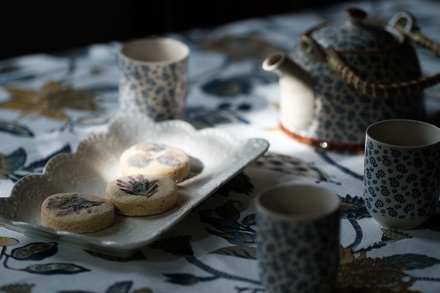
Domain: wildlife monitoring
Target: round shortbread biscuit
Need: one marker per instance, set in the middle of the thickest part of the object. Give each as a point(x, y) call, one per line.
point(142, 195)
point(155, 159)
point(77, 212)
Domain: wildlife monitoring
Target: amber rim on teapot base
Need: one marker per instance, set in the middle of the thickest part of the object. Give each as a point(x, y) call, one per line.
point(326, 145)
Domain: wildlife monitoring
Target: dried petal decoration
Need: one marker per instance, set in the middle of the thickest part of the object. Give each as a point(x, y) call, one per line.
point(73, 204)
point(51, 100)
point(138, 186)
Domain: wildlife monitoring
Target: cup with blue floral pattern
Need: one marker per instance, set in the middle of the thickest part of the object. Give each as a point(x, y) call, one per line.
point(153, 77)
point(401, 183)
point(298, 228)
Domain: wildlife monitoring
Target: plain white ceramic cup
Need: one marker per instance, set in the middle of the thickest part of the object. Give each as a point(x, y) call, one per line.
point(298, 230)
point(153, 77)
point(401, 172)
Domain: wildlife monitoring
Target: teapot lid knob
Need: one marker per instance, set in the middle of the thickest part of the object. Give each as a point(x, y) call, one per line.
point(356, 16)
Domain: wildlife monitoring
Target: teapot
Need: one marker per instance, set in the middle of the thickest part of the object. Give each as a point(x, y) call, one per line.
point(342, 77)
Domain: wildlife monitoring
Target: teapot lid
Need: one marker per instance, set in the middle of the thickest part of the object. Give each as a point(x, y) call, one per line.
point(357, 33)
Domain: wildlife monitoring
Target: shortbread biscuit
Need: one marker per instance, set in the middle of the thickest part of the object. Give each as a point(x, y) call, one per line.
point(155, 159)
point(77, 212)
point(142, 195)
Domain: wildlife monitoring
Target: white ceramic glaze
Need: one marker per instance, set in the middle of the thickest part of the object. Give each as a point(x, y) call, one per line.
point(96, 163)
point(155, 50)
point(297, 99)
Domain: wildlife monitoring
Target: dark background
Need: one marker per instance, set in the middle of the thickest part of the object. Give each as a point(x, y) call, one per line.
point(34, 26)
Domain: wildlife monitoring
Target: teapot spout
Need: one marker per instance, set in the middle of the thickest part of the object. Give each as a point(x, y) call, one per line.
point(282, 65)
point(296, 92)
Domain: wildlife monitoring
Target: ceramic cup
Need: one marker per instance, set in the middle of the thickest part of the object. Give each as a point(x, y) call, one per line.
point(402, 172)
point(298, 238)
point(153, 78)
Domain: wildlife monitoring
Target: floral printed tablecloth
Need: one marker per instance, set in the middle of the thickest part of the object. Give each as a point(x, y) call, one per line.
point(49, 103)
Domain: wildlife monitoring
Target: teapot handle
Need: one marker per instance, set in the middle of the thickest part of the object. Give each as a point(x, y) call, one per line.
point(385, 90)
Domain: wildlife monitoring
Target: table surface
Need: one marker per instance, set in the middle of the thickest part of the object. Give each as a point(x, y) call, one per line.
point(212, 249)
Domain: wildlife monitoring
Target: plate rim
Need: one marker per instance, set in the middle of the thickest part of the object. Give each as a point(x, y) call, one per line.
point(125, 249)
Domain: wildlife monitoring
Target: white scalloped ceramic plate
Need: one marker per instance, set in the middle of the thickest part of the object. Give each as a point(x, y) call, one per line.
point(216, 157)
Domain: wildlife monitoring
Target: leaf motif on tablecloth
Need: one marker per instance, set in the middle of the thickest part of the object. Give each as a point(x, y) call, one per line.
point(124, 287)
point(50, 101)
point(237, 251)
point(225, 220)
point(388, 272)
point(240, 183)
point(228, 91)
point(240, 47)
point(8, 241)
point(15, 129)
point(37, 166)
point(228, 87)
point(12, 165)
point(372, 273)
point(134, 257)
point(22, 288)
point(222, 224)
point(249, 220)
point(229, 210)
point(353, 208)
point(55, 269)
point(237, 237)
point(391, 235)
point(388, 236)
point(181, 246)
point(410, 261)
point(177, 245)
point(95, 119)
point(290, 165)
point(35, 251)
point(346, 254)
point(12, 228)
point(203, 117)
point(11, 162)
point(234, 96)
point(182, 279)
